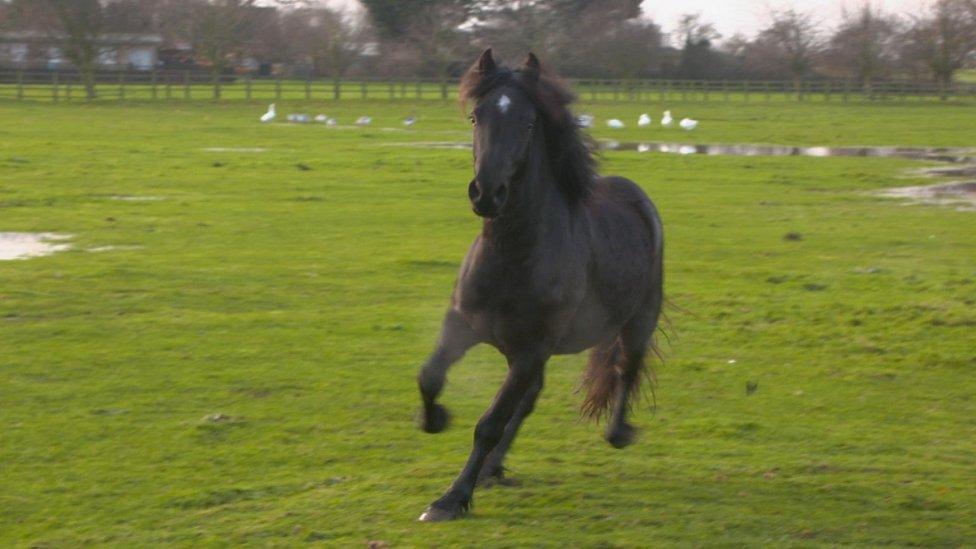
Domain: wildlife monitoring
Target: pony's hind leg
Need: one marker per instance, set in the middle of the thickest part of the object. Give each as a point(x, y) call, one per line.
point(635, 337)
point(455, 339)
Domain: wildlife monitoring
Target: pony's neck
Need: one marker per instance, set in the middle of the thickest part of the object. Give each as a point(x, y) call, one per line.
point(536, 204)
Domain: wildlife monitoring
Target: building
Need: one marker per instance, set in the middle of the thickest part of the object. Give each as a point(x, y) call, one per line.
point(28, 49)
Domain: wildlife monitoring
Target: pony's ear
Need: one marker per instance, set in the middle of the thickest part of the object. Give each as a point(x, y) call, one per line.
point(486, 63)
point(531, 68)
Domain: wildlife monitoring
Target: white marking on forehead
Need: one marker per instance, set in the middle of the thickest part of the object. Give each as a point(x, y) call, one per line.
point(503, 103)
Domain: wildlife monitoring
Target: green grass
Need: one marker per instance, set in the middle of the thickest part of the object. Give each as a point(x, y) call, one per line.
point(967, 76)
point(299, 303)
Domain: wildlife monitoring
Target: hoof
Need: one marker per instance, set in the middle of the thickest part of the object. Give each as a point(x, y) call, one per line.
point(449, 507)
point(435, 514)
point(434, 419)
point(622, 436)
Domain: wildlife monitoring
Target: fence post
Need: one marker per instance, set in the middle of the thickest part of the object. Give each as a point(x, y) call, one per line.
point(247, 86)
point(67, 91)
point(20, 84)
point(336, 88)
point(54, 86)
point(418, 90)
point(121, 85)
point(745, 89)
point(392, 90)
point(186, 84)
point(443, 89)
point(363, 90)
point(152, 79)
point(847, 89)
point(277, 88)
point(308, 87)
point(169, 86)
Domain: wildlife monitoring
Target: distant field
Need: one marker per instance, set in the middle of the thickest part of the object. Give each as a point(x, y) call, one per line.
point(238, 369)
point(966, 76)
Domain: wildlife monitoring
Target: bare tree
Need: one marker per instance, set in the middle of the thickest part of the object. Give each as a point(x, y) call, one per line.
point(864, 46)
point(217, 30)
point(75, 25)
point(943, 40)
point(793, 41)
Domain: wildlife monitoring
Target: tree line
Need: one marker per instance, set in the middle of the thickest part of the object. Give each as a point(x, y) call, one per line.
point(580, 38)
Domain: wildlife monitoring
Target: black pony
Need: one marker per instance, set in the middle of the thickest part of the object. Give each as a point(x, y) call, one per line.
point(565, 261)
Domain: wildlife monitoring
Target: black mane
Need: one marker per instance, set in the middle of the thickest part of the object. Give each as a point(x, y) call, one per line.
point(571, 160)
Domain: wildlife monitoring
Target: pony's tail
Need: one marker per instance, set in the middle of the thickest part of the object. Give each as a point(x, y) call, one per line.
point(602, 378)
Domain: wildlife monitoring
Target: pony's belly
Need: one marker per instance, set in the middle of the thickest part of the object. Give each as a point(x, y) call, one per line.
point(583, 336)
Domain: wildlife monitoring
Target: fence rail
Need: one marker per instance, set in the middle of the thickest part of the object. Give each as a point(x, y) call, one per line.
point(193, 85)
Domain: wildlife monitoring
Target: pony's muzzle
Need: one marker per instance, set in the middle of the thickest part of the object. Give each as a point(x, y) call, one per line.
point(487, 202)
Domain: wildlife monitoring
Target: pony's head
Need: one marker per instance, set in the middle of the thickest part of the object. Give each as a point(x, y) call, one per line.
point(510, 108)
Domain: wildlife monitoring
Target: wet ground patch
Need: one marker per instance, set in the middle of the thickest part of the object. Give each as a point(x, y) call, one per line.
point(27, 245)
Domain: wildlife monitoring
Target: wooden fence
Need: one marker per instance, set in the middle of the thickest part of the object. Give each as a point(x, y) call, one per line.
point(193, 85)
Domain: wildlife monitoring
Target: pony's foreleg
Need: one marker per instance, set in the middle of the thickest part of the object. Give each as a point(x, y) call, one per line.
point(493, 470)
point(455, 339)
point(522, 374)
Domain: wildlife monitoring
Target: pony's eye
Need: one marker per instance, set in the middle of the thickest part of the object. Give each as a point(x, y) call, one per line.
point(531, 126)
point(474, 121)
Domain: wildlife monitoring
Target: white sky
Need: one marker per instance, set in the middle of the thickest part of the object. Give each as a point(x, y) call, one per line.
point(748, 16)
point(744, 16)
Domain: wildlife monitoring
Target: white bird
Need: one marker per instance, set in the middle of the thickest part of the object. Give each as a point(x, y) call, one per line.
point(291, 117)
point(330, 121)
point(666, 120)
point(303, 118)
point(321, 118)
point(688, 124)
point(270, 115)
point(584, 120)
point(364, 121)
point(644, 120)
point(614, 123)
point(409, 121)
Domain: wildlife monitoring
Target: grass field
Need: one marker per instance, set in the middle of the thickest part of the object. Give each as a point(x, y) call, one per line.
point(239, 369)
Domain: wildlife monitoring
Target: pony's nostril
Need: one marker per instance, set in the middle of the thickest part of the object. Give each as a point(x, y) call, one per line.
point(473, 191)
point(500, 195)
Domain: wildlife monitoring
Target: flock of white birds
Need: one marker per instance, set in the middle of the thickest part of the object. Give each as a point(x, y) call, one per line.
point(302, 118)
point(584, 120)
point(643, 121)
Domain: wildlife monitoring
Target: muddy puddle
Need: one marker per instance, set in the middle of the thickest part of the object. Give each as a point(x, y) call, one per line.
point(936, 154)
point(959, 192)
point(960, 195)
point(27, 245)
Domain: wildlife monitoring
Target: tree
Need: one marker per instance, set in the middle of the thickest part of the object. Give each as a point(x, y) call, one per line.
point(792, 41)
point(696, 37)
point(864, 46)
point(76, 25)
point(218, 29)
point(943, 40)
point(396, 19)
